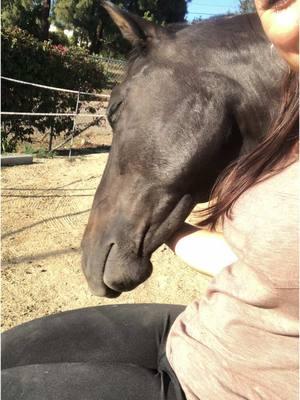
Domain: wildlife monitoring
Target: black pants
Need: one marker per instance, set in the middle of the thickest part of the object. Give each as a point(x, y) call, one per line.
point(112, 352)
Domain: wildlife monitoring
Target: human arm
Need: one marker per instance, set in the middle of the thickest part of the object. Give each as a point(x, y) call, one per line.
point(203, 250)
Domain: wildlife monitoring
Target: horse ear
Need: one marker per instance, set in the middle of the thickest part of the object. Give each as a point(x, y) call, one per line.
point(133, 28)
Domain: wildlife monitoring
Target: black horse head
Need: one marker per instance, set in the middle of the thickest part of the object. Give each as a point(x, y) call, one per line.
point(193, 98)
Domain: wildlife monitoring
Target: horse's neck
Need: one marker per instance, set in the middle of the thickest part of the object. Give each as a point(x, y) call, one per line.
point(237, 50)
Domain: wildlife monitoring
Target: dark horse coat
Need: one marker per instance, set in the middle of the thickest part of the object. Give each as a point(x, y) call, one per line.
point(193, 99)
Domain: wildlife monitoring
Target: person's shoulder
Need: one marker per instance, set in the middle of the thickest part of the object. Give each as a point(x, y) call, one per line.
point(279, 190)
point(286, 179)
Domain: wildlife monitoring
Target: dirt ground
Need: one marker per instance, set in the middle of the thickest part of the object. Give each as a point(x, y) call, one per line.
point(45, 207)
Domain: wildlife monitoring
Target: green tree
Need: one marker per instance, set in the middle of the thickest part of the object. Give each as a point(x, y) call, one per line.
point(29, 15)
point(27, 59)
point(45, 23)
point(247, 6)
point(93, 28)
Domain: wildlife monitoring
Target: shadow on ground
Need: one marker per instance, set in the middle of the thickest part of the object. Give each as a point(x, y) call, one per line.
point(83, 151)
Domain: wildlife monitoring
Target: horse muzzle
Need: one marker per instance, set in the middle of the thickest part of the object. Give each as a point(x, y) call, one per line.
point(118, 260)
point(111, 272)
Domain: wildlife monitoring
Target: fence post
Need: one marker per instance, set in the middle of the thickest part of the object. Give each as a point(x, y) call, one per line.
point(74, 123)
point(51, 137)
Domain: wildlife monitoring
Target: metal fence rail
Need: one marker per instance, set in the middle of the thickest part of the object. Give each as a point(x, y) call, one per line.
point(78, 125)
point(103, 96)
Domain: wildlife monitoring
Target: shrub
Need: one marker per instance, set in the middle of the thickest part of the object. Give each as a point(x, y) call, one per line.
point(27, 59)
point(59, 37)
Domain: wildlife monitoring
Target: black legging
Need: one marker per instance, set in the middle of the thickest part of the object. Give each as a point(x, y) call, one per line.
point(112, 352)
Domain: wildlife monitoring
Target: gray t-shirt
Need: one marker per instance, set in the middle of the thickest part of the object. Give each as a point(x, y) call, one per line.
point(240, 341)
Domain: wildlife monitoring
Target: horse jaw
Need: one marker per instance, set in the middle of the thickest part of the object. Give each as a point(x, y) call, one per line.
point(112, 266)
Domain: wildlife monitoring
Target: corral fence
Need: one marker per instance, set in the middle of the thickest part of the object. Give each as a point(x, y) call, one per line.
point(114, 69)
point(74, 110)
point(81, 116)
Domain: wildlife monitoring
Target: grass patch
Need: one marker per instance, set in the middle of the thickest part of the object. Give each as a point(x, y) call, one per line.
point(38, 153)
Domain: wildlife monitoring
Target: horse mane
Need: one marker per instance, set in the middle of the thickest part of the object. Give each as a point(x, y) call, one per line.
point(249, 20)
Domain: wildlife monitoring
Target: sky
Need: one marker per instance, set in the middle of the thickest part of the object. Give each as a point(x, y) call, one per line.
point(207, 8)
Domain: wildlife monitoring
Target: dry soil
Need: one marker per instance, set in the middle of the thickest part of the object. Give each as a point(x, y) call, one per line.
point(45, 207)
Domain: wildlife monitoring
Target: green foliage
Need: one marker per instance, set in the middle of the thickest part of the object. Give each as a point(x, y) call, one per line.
point(59, 37)
point(29, 15)
point(28, 149)
point(27, 59)
point(247, 6)
point(38, 153)
point(94, 29)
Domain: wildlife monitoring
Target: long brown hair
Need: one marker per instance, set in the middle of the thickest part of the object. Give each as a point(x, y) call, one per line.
point(268, 158)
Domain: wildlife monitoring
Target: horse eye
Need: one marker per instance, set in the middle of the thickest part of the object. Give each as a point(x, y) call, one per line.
point(113, 111)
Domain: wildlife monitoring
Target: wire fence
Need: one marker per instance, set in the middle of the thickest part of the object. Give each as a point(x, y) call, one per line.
point(89, 110)
point(69, 112)
point(114, 69)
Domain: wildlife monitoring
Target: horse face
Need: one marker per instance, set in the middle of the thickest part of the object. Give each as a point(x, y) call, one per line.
point(153, 174)
point(146, 191)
